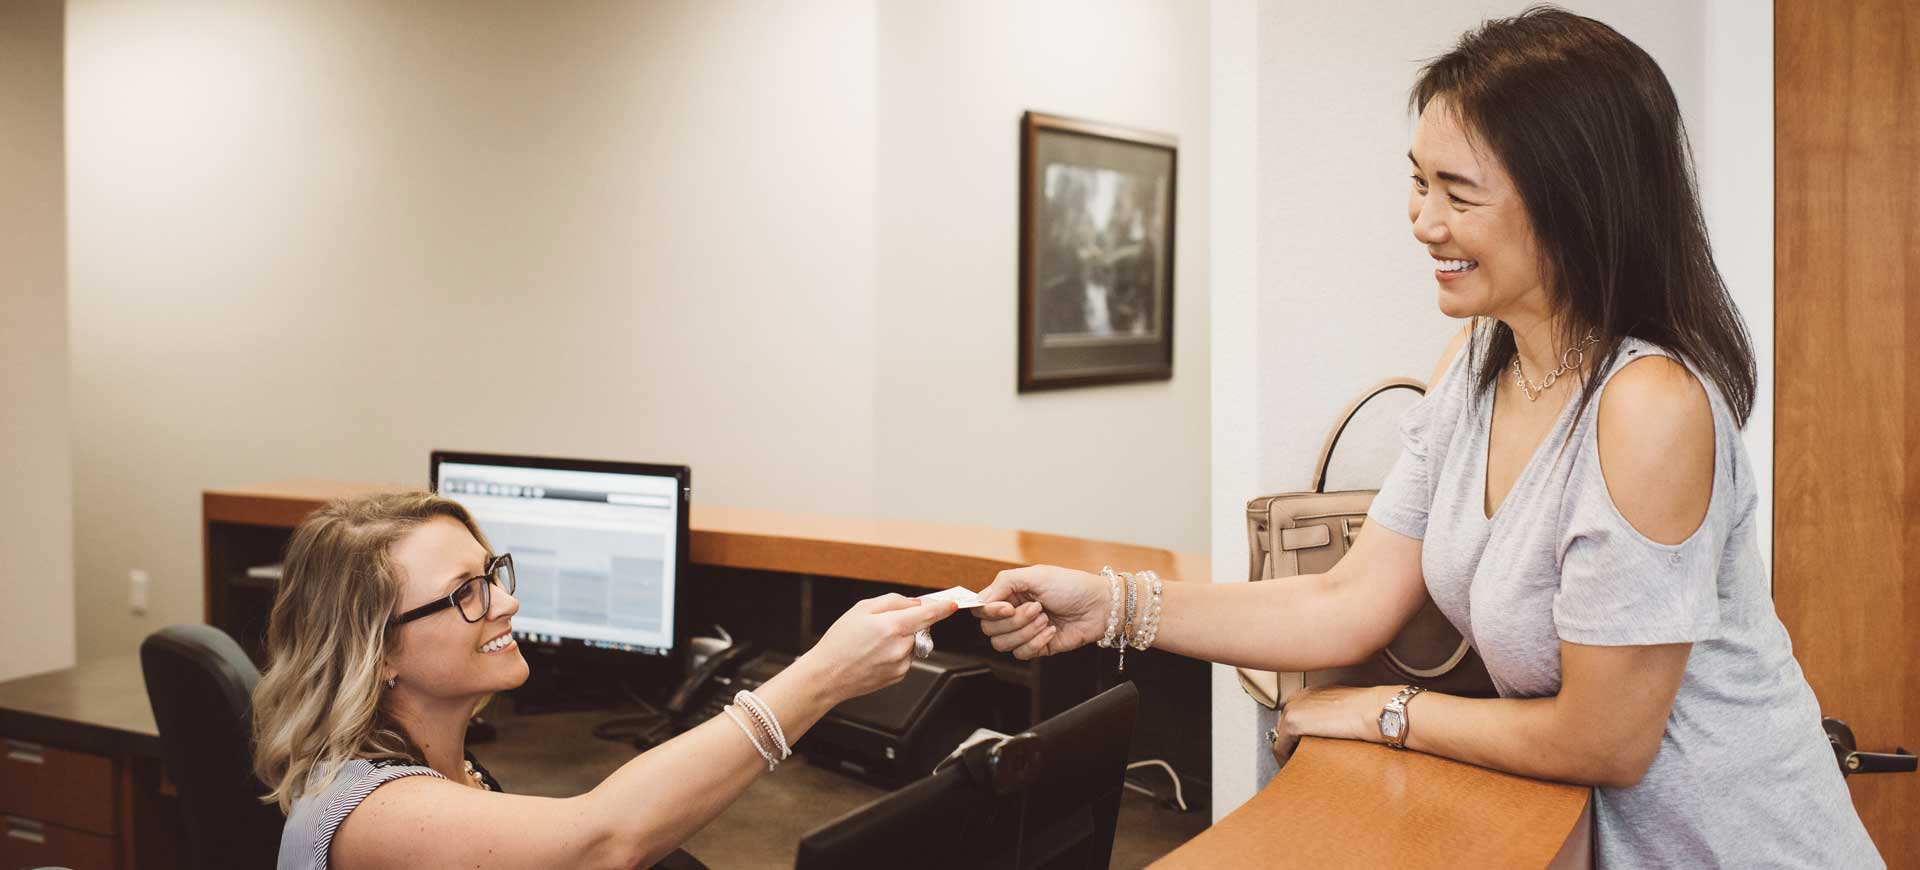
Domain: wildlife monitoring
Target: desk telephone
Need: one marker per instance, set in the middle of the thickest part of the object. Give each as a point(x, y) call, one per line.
point(888, 737)
point(711, 685)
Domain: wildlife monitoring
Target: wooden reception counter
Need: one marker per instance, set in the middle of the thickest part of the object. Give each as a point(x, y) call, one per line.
point(1341, 803)
point(1335, 804)
point(886, 551)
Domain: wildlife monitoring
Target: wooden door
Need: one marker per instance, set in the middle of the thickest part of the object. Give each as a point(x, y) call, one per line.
point(1847, 424)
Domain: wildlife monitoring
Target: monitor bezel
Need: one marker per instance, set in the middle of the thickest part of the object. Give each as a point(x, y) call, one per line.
point(574, 647)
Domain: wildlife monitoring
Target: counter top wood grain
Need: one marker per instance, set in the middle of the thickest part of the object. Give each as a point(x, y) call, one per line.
point(1343, 803)
point(927, 555)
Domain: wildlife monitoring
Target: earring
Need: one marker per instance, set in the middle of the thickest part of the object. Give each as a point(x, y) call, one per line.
point(392, 680)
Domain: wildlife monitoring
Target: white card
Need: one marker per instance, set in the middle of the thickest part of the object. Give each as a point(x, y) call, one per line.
point(960, 595)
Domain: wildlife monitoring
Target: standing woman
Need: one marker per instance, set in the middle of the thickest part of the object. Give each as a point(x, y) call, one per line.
point(1573, 492)
point(394, 624)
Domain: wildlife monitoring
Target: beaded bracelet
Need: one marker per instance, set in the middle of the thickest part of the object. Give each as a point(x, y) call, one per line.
point(1149, 626)
point(734, 714)
point(769, 723)
point(1111, 638)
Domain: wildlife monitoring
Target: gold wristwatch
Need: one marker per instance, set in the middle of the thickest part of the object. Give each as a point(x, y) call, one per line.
point(1394, 725)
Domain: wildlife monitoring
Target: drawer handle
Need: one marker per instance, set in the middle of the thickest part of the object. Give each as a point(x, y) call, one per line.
point(31, 753)
point(26, 829)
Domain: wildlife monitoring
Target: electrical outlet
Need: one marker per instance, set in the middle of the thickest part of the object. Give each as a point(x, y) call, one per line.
point(137, 583)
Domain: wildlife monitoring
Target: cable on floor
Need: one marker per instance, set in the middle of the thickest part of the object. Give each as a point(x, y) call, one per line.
point(1179, 796)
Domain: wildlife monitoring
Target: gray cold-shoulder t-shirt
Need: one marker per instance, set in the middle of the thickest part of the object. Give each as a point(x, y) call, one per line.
point(1744, 776)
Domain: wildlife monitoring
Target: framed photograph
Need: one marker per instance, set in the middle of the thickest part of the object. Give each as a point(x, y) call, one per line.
point(1096, 253)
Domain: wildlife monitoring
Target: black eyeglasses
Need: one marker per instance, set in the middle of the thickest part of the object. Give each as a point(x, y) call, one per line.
point(473, 598)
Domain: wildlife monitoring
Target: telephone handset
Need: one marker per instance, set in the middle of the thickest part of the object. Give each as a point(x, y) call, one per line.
point(714, 668)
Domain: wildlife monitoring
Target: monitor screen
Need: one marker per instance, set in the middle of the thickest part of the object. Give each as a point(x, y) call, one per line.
point(598, 547)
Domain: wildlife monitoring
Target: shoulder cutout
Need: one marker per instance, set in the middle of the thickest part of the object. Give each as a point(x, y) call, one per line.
point(1454, 345)
point(1656, 445)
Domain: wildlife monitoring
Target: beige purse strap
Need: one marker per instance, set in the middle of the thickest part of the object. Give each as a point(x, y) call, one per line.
point(1434, 673)
point(1333, 438)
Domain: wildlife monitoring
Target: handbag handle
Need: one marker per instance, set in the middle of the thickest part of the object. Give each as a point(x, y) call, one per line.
point(1333, 438)
point(1444, 668)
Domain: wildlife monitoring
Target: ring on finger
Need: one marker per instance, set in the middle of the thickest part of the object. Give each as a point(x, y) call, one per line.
point(922, 644)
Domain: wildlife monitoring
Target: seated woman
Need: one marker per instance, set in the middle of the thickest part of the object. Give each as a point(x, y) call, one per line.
point(1574, 494)
point(393, 626)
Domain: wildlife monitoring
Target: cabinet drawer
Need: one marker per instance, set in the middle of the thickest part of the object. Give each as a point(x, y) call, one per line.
point(30, 843)
point(57, 786)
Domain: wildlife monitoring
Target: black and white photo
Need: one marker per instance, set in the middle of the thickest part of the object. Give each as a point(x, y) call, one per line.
point(1097, 210)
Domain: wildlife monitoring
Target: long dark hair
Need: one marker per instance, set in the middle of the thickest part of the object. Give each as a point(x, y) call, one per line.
point(1587, 126)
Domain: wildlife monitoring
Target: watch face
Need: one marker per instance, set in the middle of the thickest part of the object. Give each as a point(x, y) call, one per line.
point(1391, 723)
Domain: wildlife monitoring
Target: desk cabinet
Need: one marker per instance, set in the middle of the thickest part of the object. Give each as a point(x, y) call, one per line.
point(57, 786)
point(31, 843)
point(81, 784)
point(57, 808)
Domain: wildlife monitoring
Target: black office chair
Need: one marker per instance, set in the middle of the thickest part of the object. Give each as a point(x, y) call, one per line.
point(201, 686)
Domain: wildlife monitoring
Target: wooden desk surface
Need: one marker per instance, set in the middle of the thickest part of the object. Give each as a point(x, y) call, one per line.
point(927, 555)
point(1343, 803)
point(99, 706)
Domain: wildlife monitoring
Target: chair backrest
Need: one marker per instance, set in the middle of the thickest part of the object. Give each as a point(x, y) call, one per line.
point(201, 686)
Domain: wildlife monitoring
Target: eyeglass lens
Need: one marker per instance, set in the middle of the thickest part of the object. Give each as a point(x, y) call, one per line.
point(475, 597)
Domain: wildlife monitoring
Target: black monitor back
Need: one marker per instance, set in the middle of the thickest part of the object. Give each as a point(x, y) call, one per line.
point(956, 819)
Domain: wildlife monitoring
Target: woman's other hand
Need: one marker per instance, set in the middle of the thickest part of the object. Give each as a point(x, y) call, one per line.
point(870, 646)
point(1041, 610)
point(1340, 712)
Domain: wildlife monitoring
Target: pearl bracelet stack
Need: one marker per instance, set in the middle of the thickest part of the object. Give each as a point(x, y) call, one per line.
point(734, 714)
point(1133, 615)
point(747, 707)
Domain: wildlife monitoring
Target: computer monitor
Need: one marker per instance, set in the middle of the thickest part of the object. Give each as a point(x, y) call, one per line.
point(1049, 798)
point(598, 547)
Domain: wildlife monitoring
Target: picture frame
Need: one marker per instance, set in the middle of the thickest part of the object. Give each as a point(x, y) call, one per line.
point(1097, 209)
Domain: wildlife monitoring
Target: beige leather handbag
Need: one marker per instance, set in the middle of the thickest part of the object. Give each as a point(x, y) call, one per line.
point(1296, 533)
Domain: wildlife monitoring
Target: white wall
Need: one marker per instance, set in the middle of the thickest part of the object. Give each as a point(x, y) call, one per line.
point(319, 239)
point(36, 504)
point(1734, 150)
point(1238, 378)
point(956, 442)
point(1345, 295)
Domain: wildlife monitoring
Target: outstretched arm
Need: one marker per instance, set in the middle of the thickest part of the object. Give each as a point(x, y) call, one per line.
point(651, 804)
point(1299, 623)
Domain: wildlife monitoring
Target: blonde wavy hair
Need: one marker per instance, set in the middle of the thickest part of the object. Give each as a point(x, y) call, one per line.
point(320, 703)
